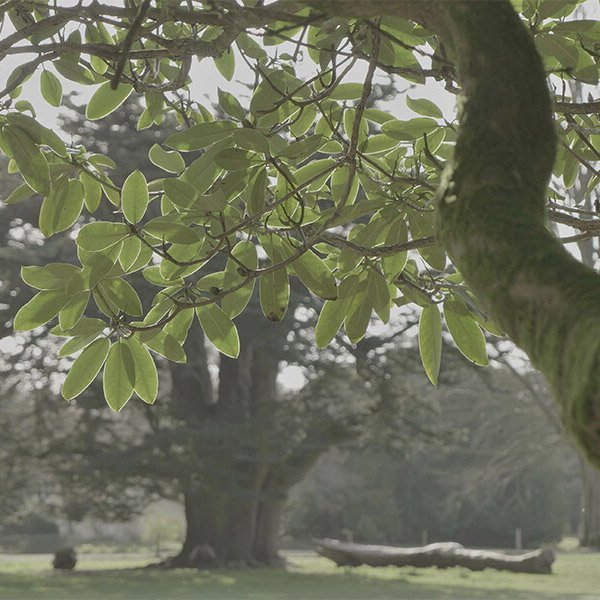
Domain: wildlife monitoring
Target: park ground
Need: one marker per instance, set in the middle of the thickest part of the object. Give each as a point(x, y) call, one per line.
point(308, 577)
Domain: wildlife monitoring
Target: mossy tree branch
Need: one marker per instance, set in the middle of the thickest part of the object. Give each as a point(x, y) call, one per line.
point(492, 220)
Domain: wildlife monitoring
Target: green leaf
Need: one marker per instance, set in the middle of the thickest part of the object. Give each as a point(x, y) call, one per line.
point(51, 88)
point(359, 309)
point(121, 296)
point(180, 192)
point(53, 276)
point(130, 251)
point(152, 275)
point(29, 158)
point(219, 329)
point(430, 341)
point(274, 290)
point(99, 265)
point(235, 303)
point(317, 170)
point(315, 275)
point(304, 148)
point(101, 234)
point(424, 107)
point(118, 376)
point(106, 100)
point(304, 122)
point(394, 264)
point(85, 368)
point(146, 376)
point(339, 185)
point(334, 312)
point(347, 91)
point(233, 159)
point(251, 139)
point(226, 64)
point(199, 136)
point(230, 104)
point(85, 326)
point(168, 160)
point(258, 193)
point(20, 193)
point(378, 143)
point(76, 343)
point(179, 326)
point(380, 293)
point(92, 191)
point(61, 207)
point(134, 197)
point(466, 333)
point(164, 228)
point(73, 310)
point(409, 130)
point(38, 133)
point(43, 307)
point(164, 344)
point(73, 71)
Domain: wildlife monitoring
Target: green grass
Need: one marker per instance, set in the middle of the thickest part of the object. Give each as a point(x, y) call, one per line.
point(112, 577)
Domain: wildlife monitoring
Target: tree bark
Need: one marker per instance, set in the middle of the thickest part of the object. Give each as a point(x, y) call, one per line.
point(441, 555)
point(590, 507)
point(589, 526)
point(492, 217)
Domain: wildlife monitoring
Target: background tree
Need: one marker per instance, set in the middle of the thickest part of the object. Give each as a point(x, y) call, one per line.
point(486, 462)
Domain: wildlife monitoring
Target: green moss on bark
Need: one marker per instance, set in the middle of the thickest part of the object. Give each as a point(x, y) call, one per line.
point(492, 212)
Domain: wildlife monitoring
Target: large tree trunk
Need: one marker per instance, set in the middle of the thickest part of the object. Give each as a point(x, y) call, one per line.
point(441, 555)
point(589, 527)
point(590, 506)
point(246, 462)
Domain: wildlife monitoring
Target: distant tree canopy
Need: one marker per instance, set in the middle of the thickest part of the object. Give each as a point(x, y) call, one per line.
point(306, 180)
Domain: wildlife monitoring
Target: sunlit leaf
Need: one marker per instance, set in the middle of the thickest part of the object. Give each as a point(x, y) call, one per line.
point(106, 100)
point(85, 368)
point(430, 341)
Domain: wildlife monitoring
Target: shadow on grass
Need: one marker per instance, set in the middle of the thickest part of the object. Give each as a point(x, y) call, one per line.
point(260, 584)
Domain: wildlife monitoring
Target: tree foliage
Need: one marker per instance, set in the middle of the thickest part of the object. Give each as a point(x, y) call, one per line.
point(303, 179)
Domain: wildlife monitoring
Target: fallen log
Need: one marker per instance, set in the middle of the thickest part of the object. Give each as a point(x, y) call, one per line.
point(441, 555)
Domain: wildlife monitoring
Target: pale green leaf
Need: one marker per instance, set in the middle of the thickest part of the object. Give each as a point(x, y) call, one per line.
point(118, 376)
point(168, 160)
point(315, 275)
point(106, 100)
point(52, 276)
point(85, 368)
point(219, 329)
point(164, 344)
point(180, 192)
point(51, 88)
point(101, 234)
point(134, 197)
point(146, 375)
point(73, 310)
point(465, 332)
point(334, 312)
point(43, 307)
point(430, 341)
point(274, 290)
point(61, 207)
point(199, 136)
point(424, 107)
point(226, 64)
point(29, 158)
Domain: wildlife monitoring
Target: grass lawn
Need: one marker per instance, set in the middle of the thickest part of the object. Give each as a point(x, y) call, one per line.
point(112, 577)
